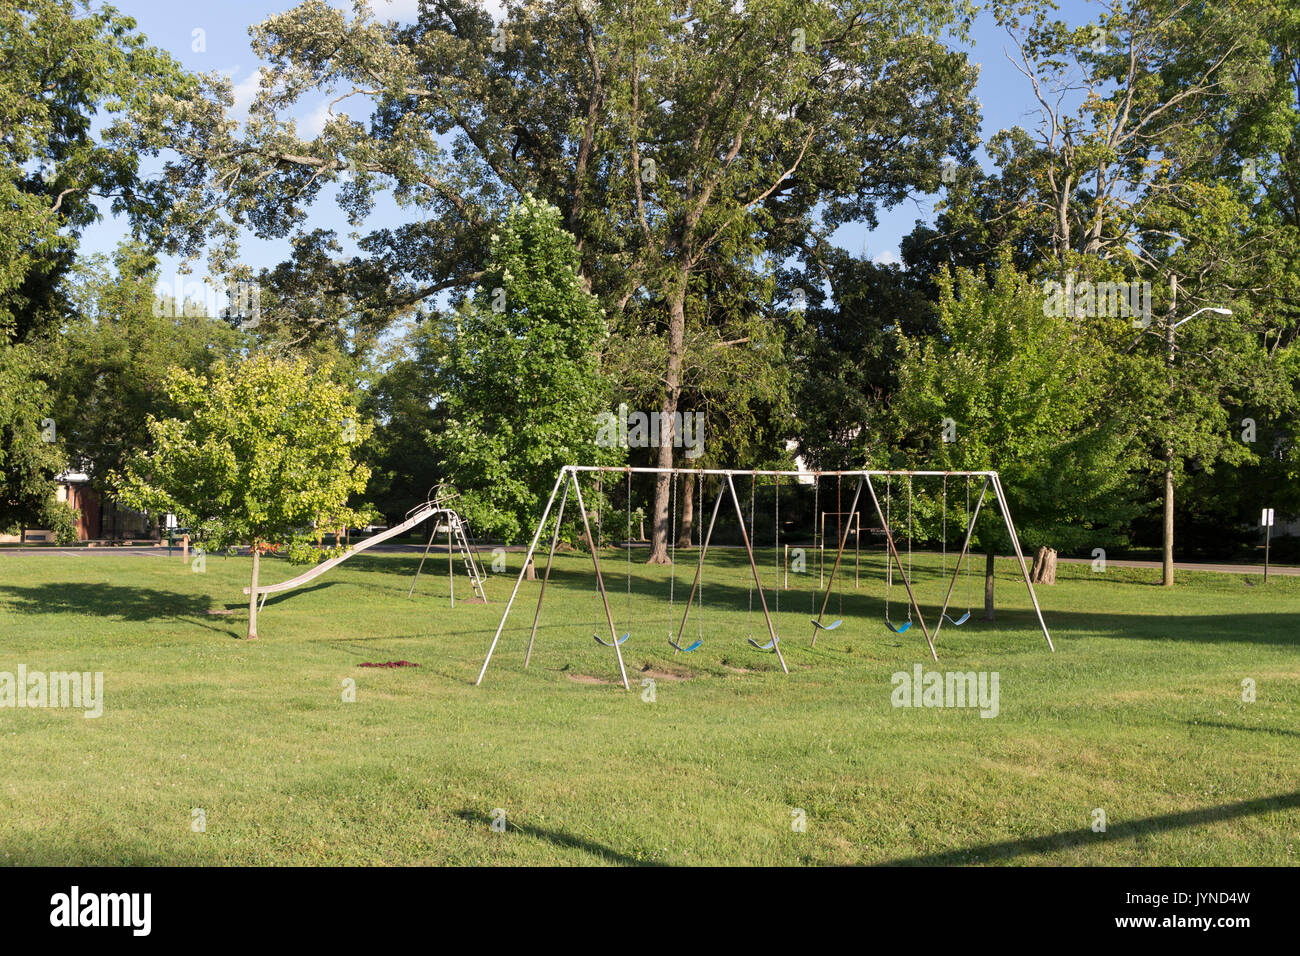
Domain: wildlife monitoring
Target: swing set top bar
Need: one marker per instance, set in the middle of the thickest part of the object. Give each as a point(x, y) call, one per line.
point(622, 469)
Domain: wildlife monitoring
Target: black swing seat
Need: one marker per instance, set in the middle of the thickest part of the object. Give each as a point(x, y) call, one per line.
point(960, 621)
point(763, 647)
point(607, 643)
point(826, 627)
point(899, 629)
point(685, 650)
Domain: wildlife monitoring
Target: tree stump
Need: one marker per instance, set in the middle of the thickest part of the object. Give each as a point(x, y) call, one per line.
point(1044, 569)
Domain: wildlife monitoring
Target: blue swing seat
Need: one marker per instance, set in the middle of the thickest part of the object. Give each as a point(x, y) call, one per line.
point(685, 650)
point(899, 629)
point(607, 643)
point(763, 647)
point(826, 627)
point(960, 621)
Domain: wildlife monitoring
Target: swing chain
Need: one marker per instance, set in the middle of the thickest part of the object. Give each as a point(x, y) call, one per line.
point(672, 555)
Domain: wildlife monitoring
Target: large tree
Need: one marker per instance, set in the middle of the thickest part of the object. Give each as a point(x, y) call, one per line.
point(674, 136)
point(85, 103)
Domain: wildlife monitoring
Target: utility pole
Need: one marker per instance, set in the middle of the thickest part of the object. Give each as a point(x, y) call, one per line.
point(1168, 558)
point(1170, 326)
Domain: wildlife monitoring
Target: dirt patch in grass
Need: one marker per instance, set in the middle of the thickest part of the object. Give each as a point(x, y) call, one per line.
point(657, 674)
point(587, 679)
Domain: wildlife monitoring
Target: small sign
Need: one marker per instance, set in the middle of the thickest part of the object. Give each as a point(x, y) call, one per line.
point(1267, 520)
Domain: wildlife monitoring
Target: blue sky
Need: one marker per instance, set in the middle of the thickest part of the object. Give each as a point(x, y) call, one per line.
point(225, 47)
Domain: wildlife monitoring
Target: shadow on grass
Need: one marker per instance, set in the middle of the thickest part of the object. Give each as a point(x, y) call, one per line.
point(562, 840)
point(1260, 730)
point(123, 602)
point(726, 587)
point(1071, 839)
point(280, 597)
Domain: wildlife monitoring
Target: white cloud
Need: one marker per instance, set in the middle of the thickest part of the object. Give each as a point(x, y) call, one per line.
point(244, 90)
point(313, 124)
point(887, 258)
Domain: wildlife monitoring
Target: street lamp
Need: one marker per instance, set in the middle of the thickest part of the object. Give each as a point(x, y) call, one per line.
point(1208, 308)
point(1170, 325)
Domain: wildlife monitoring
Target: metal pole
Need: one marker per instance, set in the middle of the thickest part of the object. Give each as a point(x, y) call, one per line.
point(857, 493)
point(770, 473)
point(433, 530)
point(744, 536)
point(965, 552)
point(600, 581)
point(520, 580)
point(889, 539)
point(555, 539)
point(699, 568)
point(1268, 534)
point(451, 568)
point(1015, 541)
point(821, 554)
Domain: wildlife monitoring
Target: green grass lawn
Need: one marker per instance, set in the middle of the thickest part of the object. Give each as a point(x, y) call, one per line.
point(1139, 712)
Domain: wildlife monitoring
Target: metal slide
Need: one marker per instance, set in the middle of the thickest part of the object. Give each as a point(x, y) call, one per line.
point(424, 514)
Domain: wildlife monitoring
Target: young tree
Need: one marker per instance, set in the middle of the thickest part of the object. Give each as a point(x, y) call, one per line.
point(522, 385)
point(1028, 393)
point(258, 453)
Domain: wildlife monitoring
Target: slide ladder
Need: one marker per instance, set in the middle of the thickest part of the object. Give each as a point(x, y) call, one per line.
point(456, 527)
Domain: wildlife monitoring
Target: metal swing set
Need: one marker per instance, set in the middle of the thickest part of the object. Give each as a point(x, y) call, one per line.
point(569, 478)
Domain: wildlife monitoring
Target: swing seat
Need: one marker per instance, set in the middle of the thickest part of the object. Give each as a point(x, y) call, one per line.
point(960, 621)
point(826, 627)
point(763, 647)
point(607, 643)
point(899, 629)
point(685, 650)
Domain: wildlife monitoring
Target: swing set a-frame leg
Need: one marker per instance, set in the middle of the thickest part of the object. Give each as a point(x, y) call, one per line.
point(1020, 555)
point(600, 581)
point(564, 472)
point(699, 569)
point(889, 540)
point(839, 554)
point(965, 553)
point(550, 557)
point(753, 567)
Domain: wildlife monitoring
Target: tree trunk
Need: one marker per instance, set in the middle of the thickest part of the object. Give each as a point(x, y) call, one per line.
point(530, 572)
point(688, 514)
point(988, 586)
point(1044, 569)
point(672, 393)
point(252, 597)
point(1168, 562)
